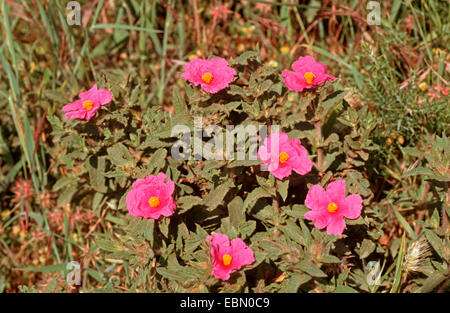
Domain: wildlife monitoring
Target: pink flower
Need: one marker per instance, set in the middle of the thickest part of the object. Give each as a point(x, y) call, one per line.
point(328, 208)
point(284, 155)
point(307, 73)
point(228, 257)
point(212, 75)
point(437, 94)
point(90, 101)
point(151, 197)
point(220, 11)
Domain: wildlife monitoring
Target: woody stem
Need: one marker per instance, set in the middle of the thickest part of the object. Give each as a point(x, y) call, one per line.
point(276, 206)
point(318, 126)
point(275, 203)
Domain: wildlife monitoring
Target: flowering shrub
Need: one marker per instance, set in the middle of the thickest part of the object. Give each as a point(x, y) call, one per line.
point(150, 145)
point(126, 155)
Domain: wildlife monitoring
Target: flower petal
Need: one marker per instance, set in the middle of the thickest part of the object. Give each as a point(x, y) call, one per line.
point(89, 93)
point(336, 225)
point(242, 254)
point(317, 198)
point(76, 114)
point(336, 191)
point(351, 206)
point(294, 81)
point(319, 218)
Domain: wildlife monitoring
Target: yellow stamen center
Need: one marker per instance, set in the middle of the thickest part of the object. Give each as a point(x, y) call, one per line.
point(207, 77)
point(309, 77)
point(332, 207)
point(154, 202)
point(88, 104)
point(284, 157)
point(226, 259)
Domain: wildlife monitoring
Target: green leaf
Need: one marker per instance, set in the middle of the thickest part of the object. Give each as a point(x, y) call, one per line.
point(63, 182)
point(273, 250)
point(435, 242)
point(244, 58)
point(148, 229)
point(178, 102)
point(367, 247)
point(311, 269)
point(119, 155)
point(215, 197)
point(236, 211)
point(329, 259)
point(283, 186)
point(45, 269)
point(297, 211)
point(253, 196)
point(330, 103)
point(432, 282)
point(188, 202)
point(98, 276)
point(157, 160)
point(115, 220)
point(294, 282)
point(345, 289)
point(107, 245)
point(170, 274)
point(66, 196)
point(97, 175)
point(405, 224)
point(247, 228)
point(419, 171)
point(293, 231)
point(164, 227)
point(398, 267)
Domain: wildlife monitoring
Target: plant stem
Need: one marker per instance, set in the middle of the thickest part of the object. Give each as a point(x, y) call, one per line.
point(318, 126)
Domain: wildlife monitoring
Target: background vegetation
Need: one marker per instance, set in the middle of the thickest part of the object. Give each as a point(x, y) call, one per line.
point(383, 126)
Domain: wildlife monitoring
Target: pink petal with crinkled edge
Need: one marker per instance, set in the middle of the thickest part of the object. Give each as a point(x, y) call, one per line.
point(304, 64)
point(97, 96)
point(336, 191)
point(222, 73)
point(151, 186)
point(299, 161)
point(319, 218)
point(277, 143)
point(317, 198)
point(220, 245)
point(241, 253)
point(351, 206)
point(76, 114)
point(336, 225)
point(89, 93)
point(281, 171)
point(91, 112)
point(192, 71)
point(321, 78)
point(103, 96)
point(263, 154)
point(77, 105)
point(294, 81)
